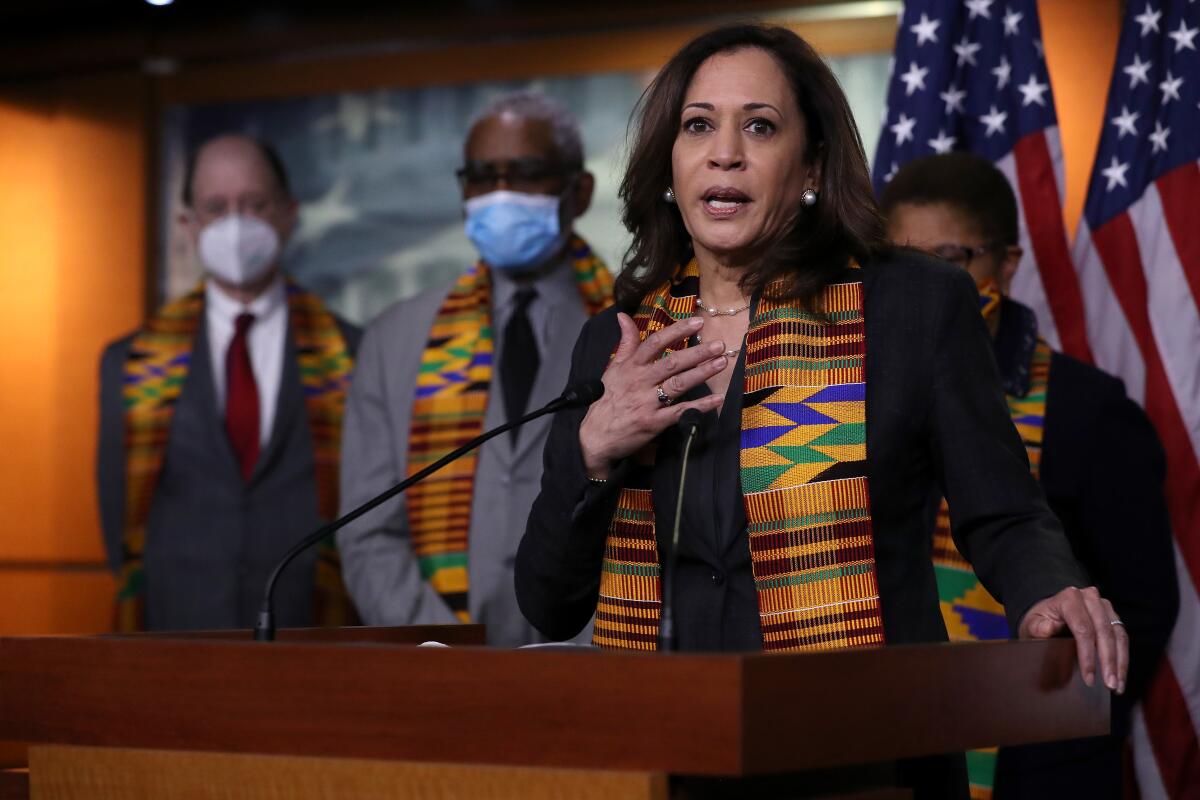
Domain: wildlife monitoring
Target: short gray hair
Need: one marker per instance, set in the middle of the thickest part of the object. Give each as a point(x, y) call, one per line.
point(564, 129)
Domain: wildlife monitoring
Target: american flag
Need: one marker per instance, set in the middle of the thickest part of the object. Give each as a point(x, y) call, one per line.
point(1138, 256)
point(972, 76)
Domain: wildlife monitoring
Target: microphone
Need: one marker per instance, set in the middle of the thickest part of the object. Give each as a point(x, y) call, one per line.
point(689, 423)
point(580, 394)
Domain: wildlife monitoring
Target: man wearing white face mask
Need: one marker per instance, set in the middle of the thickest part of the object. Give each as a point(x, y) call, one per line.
point(221, 418)
point(438, 369)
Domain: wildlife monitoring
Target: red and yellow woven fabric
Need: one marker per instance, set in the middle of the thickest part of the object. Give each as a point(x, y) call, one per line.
point(803, 476)
point(155, 371)
point(448, 411)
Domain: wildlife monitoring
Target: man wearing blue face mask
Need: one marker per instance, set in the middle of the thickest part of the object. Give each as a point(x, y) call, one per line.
point(220, 419)
point(438, 369)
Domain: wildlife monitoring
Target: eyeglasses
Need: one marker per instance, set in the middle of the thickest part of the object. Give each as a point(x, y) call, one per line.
point(252, 204)
point(962, 255)
point(520, 174)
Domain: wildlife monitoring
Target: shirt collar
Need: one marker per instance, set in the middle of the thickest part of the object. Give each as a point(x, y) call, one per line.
point(225, 308)
point(551, 284)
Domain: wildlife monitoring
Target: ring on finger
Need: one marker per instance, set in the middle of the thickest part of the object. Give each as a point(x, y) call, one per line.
point(1116, 622)
point(663, 397)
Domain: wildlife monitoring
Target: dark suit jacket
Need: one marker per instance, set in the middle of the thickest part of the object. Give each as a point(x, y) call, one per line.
point(212, 538)
point(936, 422)
point(1102, 471)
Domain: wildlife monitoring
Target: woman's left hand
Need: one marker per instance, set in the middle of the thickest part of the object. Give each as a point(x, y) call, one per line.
point(1100, 636)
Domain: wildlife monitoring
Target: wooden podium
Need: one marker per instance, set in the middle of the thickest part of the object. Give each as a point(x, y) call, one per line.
point(360, 712)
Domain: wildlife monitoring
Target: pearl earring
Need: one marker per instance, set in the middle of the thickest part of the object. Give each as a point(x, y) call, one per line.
point(669, 195)
point(809, 198)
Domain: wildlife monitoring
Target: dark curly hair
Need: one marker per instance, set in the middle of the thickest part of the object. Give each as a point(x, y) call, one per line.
point(964, 181)
point(844, 224)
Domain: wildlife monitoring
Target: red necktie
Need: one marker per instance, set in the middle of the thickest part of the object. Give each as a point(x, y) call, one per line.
point(241, 398)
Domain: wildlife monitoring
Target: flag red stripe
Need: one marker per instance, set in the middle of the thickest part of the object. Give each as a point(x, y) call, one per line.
point(1116, 243)
point(1172, 734)
point(1179, 190)
point(1043, 218)
point(1169, 726)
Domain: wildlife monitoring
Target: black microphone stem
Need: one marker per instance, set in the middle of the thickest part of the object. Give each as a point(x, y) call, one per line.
point(666, 626)
point(264, 628)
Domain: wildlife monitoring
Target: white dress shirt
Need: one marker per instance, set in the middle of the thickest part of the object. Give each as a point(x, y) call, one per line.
point(267, 339)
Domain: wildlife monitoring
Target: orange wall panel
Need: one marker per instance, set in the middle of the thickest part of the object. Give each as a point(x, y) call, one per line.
point(41, 601)
point(101, 291)
point(72, 276)
point(29, 278)
point(1080, 38)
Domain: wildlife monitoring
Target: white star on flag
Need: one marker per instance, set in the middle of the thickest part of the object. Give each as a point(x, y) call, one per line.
point(994, 120)
point(1159, 137)
point(891, 173)
point(926, 30)
point(979, 8)
point(1002, 73)
point(1041, 49)
point(904, 128)
point(966, 51)
point(1138, 71)
point(1011, 20)
point(1032, 91)
point(1148, 19)
point(1184, 37)
point(1125, 122)
point(943, 143)
point(1170, 88)
point(1115, 172)
point(953, 97)
point(914, 79)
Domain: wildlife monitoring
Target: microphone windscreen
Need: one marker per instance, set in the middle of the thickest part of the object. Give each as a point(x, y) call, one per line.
point(584, 393)
point(689, 421)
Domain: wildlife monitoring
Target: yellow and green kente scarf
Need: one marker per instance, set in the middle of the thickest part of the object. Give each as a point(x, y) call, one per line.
point(155, 371)
point(803, 478)
point(448, 411)
point(969, 610)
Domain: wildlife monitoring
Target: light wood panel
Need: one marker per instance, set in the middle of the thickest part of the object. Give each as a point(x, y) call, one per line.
point(89, 773)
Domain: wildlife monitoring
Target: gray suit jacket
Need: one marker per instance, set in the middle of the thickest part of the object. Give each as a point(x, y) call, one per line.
point(378, 564)
point(212, 539)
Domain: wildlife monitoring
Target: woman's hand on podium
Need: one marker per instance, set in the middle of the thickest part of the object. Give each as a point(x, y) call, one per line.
point(1100, 636)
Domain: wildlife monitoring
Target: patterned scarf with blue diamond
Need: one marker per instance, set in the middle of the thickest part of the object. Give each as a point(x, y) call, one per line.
point(448, 411)
point(803, 480)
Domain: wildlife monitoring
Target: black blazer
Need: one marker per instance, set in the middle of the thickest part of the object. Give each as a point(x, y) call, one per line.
point(1103, 471)
point(937, 424)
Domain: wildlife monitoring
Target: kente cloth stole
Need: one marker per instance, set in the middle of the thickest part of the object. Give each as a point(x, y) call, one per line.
point(155, 372)
point(448, 411)
point(969, 610)
point(803, 479)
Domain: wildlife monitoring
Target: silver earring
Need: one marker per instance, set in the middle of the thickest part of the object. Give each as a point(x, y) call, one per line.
point(809, 198)
point(669, 195)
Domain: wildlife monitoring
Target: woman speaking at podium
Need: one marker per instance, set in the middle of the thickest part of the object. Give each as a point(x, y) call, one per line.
point(841, 386)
